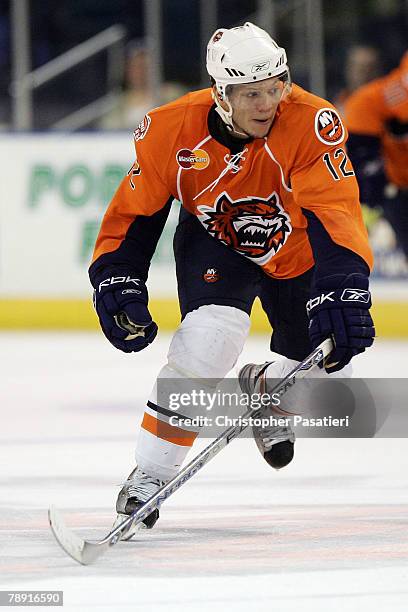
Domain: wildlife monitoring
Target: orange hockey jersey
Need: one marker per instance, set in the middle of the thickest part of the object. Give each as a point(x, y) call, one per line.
point(380, 109)
point(251, 201)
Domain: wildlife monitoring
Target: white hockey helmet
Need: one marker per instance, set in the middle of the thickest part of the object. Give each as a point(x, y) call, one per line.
point(245, 54)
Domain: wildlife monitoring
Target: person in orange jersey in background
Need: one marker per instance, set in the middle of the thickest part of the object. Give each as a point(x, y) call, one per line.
point(377, 118)
point(270, 208)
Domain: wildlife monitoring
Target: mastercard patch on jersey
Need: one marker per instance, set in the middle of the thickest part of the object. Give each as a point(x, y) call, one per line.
point(197, 159)
point(328, 126)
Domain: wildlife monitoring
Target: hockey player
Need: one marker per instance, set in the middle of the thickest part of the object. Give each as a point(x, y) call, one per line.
point(377, 118)
point(269, 208)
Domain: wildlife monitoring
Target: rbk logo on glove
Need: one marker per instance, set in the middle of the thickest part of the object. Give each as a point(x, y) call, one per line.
point(119, 279)
point(319, 299)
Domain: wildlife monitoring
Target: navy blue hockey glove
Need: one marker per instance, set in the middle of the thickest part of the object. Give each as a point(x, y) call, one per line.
point(120, 301)
point(339, 308)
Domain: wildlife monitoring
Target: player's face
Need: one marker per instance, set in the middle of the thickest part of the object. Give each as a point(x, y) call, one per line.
point(254, 106)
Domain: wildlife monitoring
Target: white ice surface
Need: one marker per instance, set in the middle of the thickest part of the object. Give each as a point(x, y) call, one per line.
point(327, 533)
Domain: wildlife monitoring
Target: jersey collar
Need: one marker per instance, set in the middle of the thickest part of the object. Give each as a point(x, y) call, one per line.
point(220, 133)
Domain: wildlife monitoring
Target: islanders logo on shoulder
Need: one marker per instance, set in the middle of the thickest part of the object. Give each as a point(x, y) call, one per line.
point(328, 126)
point(197, 159)
point(141, 130)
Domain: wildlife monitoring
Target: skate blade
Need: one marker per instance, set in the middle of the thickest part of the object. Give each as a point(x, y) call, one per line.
point(131, 531)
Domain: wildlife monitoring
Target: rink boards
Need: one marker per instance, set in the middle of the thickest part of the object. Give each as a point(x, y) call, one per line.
point(390, 316)
point(56, 197)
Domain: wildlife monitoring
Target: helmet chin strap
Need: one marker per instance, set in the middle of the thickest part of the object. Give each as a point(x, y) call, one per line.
point(226, 115)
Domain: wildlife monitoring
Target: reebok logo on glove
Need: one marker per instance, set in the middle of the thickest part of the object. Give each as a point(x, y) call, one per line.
point(355, 295)
point(118, 279)
point(319, 300)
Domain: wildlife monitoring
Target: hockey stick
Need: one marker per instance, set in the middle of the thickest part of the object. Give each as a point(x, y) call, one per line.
point(86, 552)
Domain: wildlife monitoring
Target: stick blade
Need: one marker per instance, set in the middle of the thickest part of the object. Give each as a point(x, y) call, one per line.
point(82, 551)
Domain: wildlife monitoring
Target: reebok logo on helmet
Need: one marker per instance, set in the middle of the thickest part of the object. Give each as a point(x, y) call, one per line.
point(260, 67)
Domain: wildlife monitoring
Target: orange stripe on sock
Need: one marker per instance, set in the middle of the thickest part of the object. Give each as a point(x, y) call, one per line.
point(167, 432)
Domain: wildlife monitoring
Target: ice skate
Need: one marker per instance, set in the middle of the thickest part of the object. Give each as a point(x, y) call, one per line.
point(138, 488)
point(275, 443)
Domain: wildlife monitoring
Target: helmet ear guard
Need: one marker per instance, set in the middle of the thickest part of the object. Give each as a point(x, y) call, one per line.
point(226, 115)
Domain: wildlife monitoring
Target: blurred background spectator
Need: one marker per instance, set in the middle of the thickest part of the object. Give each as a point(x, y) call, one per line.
point(363, 64)
point(137, 97)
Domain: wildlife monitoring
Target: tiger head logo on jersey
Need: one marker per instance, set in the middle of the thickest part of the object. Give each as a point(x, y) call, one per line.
point(328, 126)
point(254, 227)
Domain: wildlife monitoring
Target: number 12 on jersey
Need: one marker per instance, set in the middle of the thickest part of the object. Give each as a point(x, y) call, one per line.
point(341, 170)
